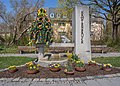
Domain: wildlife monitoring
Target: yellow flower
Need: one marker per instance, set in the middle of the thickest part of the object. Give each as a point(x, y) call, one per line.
point(12, 67)
point(91, 61)
point(38, 65)
point(104, 65)
point(56, 66)
point(69, 55)
point(77, 61)
point(82, 61)
point(30, 67)
point(29, 63)
point(109, 65)
point(34, 67)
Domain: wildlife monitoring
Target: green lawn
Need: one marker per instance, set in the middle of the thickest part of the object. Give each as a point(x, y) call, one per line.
point(9, 61)
point(115, 61)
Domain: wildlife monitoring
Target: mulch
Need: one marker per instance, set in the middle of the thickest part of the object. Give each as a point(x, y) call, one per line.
point(44, 72)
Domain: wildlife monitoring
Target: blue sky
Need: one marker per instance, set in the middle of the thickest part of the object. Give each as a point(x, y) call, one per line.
point(48, 3)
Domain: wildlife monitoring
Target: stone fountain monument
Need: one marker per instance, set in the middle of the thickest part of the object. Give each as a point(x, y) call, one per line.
point(41, 35)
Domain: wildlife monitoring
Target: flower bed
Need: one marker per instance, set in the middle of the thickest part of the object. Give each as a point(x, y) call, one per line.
point(44, 72)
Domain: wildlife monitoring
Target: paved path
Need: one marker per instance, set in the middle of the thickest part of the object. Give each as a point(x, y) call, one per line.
point(94, 55)
point(107, 80)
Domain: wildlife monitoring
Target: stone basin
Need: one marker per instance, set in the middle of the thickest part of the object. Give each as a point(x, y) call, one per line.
point(44, 62)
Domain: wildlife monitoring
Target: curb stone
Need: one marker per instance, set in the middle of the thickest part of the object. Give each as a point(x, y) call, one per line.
point(22, 79)
point(35, 80)
point(70, 79)
point(3, 79)
point(83, 78)
point(29, 79)
point(16, 79)
point(43, 79)
point(64, 79)
point(49, 79)
point(56, 79)
point(90, 77)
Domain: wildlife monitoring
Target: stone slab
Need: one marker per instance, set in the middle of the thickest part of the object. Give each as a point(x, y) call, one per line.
point(91, 83)
point(104, 82)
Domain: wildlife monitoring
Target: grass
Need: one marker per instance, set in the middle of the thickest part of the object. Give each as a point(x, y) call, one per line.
point(115, 61)
point(9, 61)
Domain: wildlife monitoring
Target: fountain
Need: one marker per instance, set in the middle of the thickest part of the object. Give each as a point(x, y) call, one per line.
point(41, 36)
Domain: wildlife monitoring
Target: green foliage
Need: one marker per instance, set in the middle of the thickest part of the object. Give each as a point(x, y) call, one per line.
point(69, 67)
point(5, 62)
point(75, 57)
point(80, 63)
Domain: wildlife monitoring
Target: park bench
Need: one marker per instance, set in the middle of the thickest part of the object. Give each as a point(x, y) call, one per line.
point(99, 48)
point(22, 49)
point(61, 47)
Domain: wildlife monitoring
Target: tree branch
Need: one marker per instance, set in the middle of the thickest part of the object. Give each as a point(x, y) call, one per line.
point(4, 19)
point(117, 10)
point(97, 3)
point(99, 17)
point(104, 15)
point(23, 33)
point(102, 1)
point(110, 6)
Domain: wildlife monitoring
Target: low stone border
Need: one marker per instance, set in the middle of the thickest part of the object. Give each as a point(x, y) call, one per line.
point(59, 79)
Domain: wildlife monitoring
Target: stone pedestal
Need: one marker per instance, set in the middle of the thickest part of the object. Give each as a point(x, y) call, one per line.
point(40, 51)
point(81, 32)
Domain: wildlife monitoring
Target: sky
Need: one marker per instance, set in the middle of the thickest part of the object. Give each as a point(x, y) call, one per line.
point(48, 3)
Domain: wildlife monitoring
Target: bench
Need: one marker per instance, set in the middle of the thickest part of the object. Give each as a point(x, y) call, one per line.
point(99, 48)
point(61, 47)
point(22, 49)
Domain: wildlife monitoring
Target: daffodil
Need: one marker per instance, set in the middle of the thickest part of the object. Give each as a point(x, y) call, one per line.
point(69, 55)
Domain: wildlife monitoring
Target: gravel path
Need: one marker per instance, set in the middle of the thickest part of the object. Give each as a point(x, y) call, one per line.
point(106, 80)
point(94, 55)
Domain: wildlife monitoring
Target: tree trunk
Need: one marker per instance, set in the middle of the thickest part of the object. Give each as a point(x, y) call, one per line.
point(113, 30)
point(116, 33)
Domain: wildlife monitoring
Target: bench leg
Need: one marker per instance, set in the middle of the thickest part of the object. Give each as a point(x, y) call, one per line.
point(20, 52)
point(35, 52)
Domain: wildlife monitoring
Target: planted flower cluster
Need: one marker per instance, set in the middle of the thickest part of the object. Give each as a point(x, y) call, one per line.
point(73, 64)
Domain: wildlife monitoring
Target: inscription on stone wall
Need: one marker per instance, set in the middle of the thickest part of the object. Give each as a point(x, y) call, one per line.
point(82, 26)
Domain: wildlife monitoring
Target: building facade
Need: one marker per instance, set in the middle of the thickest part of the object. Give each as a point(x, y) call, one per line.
point(63, 25)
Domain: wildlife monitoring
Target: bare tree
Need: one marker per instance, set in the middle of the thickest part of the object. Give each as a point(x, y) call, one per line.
point(23, 15)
